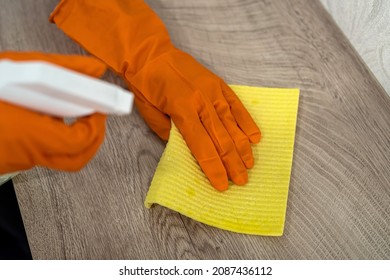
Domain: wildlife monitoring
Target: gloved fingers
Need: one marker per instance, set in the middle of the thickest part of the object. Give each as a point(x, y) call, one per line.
point(53, 142)
point(203, 150)
point(156, 120)
point(84, 64)
point(51, 135)
point(74, 138)
point(224, 145)
point(77, 160)
point(242, 116)
point(240, 140)
point(37, 139)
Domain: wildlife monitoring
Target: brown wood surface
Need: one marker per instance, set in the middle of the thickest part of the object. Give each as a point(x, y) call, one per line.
point(338, 206)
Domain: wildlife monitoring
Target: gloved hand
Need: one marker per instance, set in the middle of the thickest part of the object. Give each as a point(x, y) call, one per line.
point(28, 138)
point(133, 41)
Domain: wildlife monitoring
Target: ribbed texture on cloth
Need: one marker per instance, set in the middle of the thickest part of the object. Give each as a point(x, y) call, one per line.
point(259, 207)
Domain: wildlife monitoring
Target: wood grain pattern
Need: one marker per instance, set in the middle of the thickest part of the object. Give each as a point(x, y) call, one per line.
point(367, 25)
point(338, 205)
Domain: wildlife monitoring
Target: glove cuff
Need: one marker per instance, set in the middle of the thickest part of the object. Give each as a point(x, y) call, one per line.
point(126, 35)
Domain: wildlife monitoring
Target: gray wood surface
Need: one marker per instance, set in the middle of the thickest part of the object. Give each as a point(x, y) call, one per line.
point(338, 206)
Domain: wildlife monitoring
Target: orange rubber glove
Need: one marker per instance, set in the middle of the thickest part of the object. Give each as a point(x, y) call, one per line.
point(133, 41)
point(28, 138)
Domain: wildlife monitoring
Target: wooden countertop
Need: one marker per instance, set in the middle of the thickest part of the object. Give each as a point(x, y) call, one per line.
point(339, 198)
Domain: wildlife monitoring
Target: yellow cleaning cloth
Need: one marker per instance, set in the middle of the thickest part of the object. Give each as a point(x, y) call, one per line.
point(259, 207)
